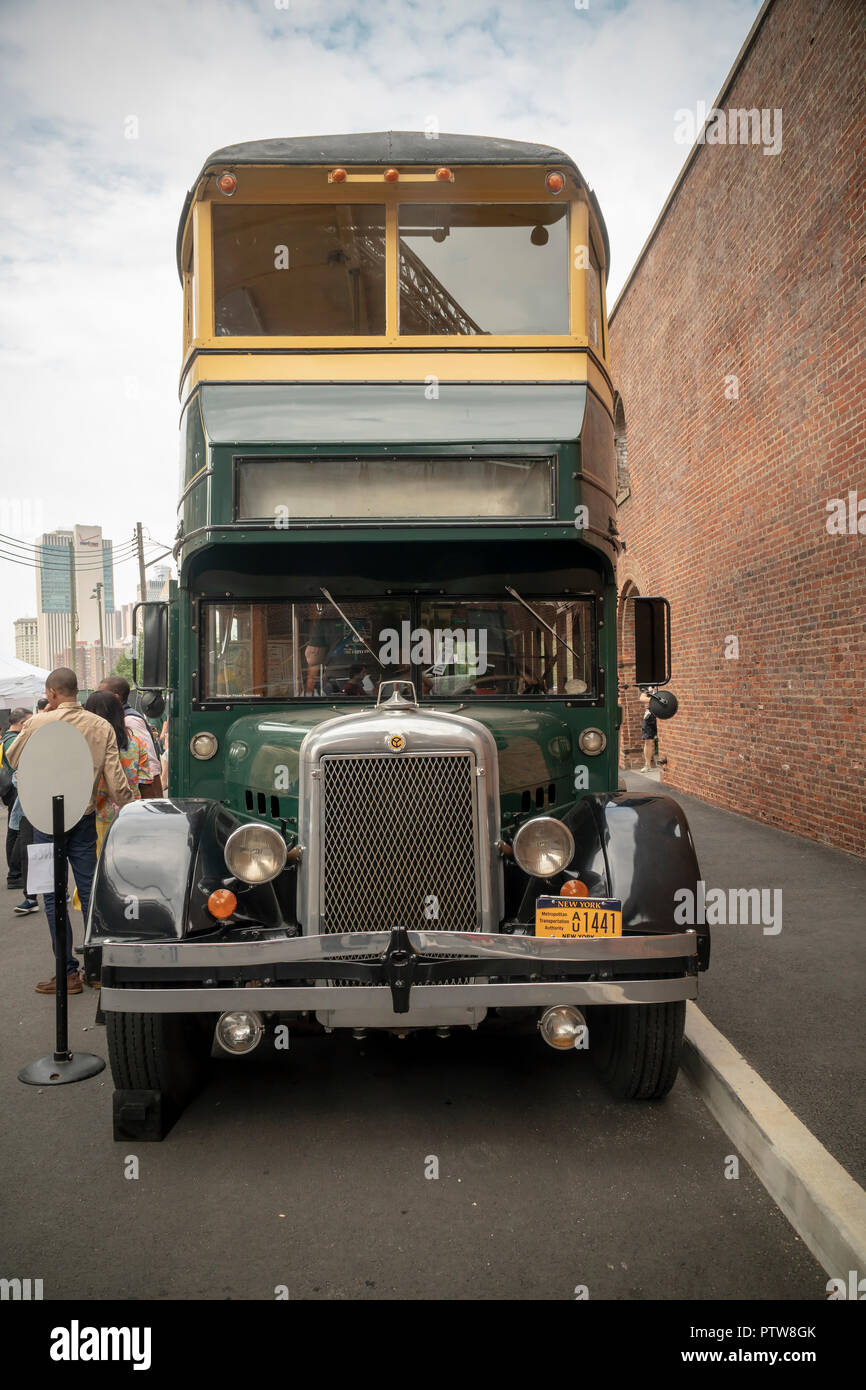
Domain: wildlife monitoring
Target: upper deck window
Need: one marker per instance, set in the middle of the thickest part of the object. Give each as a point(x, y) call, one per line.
point(292, 270)
point(468, 268)
point(593, 300)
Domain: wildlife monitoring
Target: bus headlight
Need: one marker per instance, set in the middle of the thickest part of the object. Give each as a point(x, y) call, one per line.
point(203, 746)
point(543, 846)
point(255, 853)
point(241, 1032)
point(591, 741)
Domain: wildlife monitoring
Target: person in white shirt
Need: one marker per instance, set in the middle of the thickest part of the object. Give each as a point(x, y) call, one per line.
point(136, 722)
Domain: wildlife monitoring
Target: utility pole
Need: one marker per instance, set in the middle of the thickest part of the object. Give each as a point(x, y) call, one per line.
point(98, 596)
point(73, 615)
point(142, 578)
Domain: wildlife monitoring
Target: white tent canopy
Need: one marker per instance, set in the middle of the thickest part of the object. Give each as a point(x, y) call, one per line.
point(20, 683)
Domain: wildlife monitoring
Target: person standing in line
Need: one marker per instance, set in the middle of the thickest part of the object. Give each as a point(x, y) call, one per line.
point(117, 686)
point(163, 762)
point(17, 720)
point(648, 731)
point(24, 839)
point(133, 760)
point(61, 689)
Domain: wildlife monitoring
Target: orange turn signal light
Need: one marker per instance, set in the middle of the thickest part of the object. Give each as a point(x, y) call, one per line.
point(392, 175)
point(574, 888)
point(338, 175)
point(227, 184)
point(555, 183)
point(221, 903)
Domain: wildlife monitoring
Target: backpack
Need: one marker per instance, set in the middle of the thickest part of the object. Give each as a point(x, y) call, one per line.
point(7, 789)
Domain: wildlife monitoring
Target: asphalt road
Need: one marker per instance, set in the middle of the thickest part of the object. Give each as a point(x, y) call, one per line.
point(307, 1169)
point(790, 1000)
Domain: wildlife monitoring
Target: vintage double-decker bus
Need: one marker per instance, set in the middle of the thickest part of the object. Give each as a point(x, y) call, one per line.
point(390, 656)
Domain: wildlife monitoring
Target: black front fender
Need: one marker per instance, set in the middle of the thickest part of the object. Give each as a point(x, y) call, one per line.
point(636, 848)
point(642, 848)
point(160, 861)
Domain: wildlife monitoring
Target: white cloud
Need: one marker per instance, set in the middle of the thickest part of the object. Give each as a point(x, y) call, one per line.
point(87, 272)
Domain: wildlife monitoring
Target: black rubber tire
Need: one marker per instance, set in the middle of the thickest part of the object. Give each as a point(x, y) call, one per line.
point(636, 1047)
point(160, 1052)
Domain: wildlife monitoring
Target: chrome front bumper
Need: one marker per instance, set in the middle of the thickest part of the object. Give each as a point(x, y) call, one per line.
point(219, 974)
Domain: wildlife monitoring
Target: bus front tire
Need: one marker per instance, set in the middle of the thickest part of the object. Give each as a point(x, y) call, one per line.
point(636, 1047)
point(169, 1053)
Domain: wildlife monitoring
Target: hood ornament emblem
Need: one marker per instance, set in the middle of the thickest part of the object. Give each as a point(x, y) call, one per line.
point(395, 699)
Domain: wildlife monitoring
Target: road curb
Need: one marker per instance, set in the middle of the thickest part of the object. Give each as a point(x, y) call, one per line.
point(823, 1203)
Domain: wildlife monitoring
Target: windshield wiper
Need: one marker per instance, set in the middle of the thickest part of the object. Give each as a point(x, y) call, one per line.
point(552, 630)
point(353, 629)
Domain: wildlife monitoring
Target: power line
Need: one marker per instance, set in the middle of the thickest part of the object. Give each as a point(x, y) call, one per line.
point(63, 549)
point(59, 563)
point(54, 549)
point(116, 546)
point(59, 559)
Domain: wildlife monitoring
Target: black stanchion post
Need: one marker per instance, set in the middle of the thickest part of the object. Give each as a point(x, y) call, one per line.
point(63, 1066)
point(61, 933)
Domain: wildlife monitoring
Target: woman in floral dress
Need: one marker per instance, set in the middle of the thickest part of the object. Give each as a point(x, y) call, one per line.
point(133, 758)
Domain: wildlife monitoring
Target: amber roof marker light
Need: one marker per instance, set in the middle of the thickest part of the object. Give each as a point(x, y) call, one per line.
point(444, 175)
point(555, 182)
point(392, 175)
point(227, 184)
point(338, 176)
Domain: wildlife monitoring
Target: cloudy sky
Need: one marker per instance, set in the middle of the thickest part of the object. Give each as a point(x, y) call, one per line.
point(91, 307)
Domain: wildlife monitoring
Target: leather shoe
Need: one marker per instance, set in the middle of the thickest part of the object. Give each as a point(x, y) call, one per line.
point(73, 984)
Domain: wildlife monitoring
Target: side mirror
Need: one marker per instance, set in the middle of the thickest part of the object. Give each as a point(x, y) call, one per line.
point(664, 704)
point(154, 646)
point(152, 704)
point(652, 640)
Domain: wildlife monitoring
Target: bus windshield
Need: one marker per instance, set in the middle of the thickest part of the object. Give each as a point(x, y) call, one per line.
point(483, 268)
point(297, 270)
point(302, 270)
point(449, 647)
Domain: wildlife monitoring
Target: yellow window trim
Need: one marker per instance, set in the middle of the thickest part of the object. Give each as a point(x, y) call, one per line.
point(577, 364)
point(485, 185)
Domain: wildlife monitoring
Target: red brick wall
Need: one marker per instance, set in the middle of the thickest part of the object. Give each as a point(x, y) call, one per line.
point(758, 270)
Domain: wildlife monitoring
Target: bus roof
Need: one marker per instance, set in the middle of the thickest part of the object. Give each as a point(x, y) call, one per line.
point(388, 147)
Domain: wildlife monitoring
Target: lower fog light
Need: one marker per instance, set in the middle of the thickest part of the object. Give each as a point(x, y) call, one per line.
point(239, 1032)
point(561, 1026)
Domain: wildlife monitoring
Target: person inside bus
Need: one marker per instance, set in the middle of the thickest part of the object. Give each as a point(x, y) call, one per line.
point(332, 651)
point(359, 683)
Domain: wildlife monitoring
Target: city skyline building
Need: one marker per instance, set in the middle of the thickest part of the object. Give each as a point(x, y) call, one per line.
point(80, 555)
point(27, 640)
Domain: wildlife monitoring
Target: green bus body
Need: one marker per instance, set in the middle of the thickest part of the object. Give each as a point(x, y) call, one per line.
point(365, 859)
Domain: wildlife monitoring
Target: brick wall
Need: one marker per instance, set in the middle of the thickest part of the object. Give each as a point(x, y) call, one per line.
point(758, 271)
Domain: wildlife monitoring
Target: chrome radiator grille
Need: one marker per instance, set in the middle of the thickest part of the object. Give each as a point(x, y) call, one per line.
point(398, 842)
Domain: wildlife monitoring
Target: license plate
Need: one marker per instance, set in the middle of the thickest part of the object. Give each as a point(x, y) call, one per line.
point(578, 917)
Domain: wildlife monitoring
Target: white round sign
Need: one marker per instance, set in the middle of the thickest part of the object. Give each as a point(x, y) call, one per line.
point(56, 761)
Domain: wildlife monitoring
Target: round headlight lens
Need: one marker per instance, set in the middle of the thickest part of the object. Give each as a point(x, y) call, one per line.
point(203, 745)
point(240, 1032)
point(592, 741)
point(543, 846)
point(255, 853)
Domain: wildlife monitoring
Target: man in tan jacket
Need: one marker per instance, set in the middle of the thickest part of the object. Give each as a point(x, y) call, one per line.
point(61, 690)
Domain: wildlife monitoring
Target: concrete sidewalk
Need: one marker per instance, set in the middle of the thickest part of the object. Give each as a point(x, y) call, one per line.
point(791, 1003)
